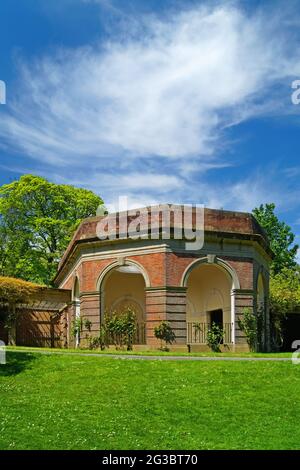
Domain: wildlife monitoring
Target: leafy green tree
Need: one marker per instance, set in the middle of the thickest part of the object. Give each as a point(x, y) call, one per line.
point(285, 291)
point(37, 220)
point(164, 332)
point(284, 298)
point(280, 236)
point(121, 327)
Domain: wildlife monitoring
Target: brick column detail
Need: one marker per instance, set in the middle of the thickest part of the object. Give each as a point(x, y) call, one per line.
point(90, 310)
point(166, 304)
point(243, 299)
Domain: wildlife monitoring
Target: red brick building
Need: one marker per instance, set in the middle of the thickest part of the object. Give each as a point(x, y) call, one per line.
point(163, 280)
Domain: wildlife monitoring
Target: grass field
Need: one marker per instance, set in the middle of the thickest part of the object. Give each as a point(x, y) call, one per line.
point(76, 402)
point(153, 352)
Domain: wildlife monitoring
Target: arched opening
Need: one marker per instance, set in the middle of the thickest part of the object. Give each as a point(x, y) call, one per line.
point(209, 301)
point(260, 293)
point(76, 303)
point(261, 310)
point(122, 287)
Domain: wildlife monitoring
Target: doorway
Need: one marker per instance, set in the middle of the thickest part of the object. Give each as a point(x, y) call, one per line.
point(216, 317)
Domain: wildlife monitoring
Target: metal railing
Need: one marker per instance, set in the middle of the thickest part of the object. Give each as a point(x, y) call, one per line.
point(197, 333)
point(139, 336)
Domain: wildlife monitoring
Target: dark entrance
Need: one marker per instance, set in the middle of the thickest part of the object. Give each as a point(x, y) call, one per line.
point(291, 330)
point(216, 317)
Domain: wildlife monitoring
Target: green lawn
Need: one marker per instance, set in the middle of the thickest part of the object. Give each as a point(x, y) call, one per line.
point(153, 352)
point(76, 402)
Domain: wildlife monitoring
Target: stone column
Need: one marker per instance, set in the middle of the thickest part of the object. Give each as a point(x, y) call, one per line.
point(267, 313)
point(244, 298)
point(65, 320)
point(166, 304)
point(267, 325)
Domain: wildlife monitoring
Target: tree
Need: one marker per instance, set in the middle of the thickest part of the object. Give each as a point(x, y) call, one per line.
point(284, 298)
point(280, 236)
point(164, 332)
point(285, 291)
point(37, 220)
point(121, 327)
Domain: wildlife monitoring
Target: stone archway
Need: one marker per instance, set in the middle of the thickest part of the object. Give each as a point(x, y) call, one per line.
point(260, 293)
point(210, 291)
point(76, 304)
point(123, 285)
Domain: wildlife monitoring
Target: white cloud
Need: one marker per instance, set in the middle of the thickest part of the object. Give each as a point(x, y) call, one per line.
point(164, 93)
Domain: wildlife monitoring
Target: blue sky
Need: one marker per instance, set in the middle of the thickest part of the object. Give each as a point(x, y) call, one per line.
point(162, 101)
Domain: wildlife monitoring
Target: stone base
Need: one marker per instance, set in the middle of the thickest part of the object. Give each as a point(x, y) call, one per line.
point(240, 348)
point(183, 348)
point(206, 348)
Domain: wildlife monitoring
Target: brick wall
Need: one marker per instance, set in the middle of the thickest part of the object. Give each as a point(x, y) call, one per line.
point(165, 298)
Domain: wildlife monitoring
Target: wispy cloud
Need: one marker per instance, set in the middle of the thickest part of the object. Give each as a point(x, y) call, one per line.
point(292, 172)
point(156, 97)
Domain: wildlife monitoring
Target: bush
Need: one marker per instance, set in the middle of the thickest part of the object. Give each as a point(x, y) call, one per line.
point(164, 332)
point(12, 292)
point(214, 337)
point(99, 342)
point(284, 299)
point(251, 325)
point(16, 290)
point(121, 327)
point(77, 327)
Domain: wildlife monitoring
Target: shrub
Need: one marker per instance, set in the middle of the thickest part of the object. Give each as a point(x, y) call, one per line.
point(251, 325)
point(99, 342)
point(12, 292)
point(87, 324)
point(77, 327)
point(164, 332)
point(121, 328)
point(284, 299)
point(214, 337)
point(16, 290)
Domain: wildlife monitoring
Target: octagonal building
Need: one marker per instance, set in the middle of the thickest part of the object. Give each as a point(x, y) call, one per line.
point(155, 273)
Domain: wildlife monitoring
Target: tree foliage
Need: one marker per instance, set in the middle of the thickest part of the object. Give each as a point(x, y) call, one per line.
point(280, 236)
point(12, 292)
point(164, 332)
point(121, 327)
point(37, 220)
point(16, 290)
point(249, 324)
point(215, 336)
point(284, 298)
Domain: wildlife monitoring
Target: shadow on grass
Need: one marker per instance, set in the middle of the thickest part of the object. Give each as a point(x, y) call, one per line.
point(16, 363)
